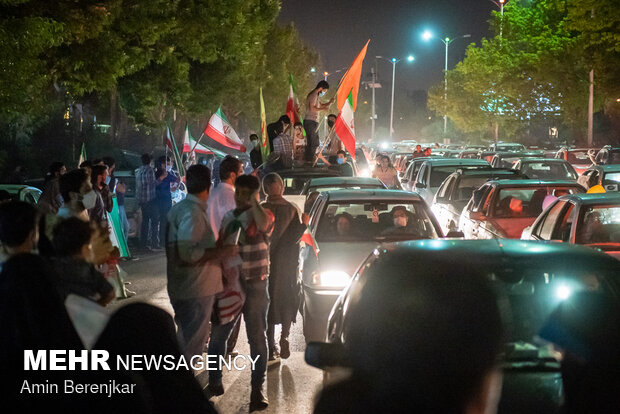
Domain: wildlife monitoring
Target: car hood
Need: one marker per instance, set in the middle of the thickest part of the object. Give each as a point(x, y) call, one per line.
point(344, 256)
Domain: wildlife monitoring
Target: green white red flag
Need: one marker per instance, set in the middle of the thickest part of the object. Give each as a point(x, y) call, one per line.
point(308, 239)
point(189, 145)
point(220, 130)
point(264, 145)
point(293, 103)
point(82, 155)
point(345, 126)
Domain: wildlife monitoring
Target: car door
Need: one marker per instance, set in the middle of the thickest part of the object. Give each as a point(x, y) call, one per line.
point(467, 224)
point(440, 206)
point(544, 227)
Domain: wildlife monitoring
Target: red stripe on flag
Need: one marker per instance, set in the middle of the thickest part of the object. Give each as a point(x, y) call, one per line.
point(222, 139)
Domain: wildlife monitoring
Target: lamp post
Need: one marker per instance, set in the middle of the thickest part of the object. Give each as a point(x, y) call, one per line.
point(446, 41)
point(394, 61)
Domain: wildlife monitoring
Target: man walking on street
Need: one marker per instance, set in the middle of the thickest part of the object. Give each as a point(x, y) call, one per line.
point(254, 225)
point(193, 262)
point(314, 106)
point(145, 193)
point(222, 198)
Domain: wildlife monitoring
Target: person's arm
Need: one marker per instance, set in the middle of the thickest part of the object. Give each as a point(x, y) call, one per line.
point(263, 218)
point(194, 242)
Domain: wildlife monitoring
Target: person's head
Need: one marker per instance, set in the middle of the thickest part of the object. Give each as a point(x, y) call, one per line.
point(98, 175)
point(230, 169)
point(146, 159)
point(246, 188)
point(18, 227)
point(331, 120)
point(400, 216)
point(273, 185)
point(418, 148)
point(384, 161)
point(254, 140)
point(322, 87)
point(57, 169)
point(198, 180)
point(344, 222)
point(299, 132)
point(285, 121)
point(74, 186)
point(516, 206)
point(74, 237)
point(437, 145)
point(342, 157)
point(87, 166)
point(427, 152)
point(110, 162)
point(164, 163)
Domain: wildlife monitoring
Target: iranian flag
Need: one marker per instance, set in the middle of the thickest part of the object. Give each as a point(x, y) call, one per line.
point(345, 127)
point(292, 104)
point(219, 130)
point(82, 155)
point(308, 239)
point(189, 145)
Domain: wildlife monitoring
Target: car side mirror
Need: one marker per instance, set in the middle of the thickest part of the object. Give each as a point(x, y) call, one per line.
point(476, 215)
point(324, 355)
point(453, 234)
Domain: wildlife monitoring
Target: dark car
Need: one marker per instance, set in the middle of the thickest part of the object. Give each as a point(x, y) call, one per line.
point(530, 280)
point(509, 159)
point(545, 169)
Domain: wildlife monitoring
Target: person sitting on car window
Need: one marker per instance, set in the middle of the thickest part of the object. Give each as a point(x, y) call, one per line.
point(344, 225)
point(401, 220)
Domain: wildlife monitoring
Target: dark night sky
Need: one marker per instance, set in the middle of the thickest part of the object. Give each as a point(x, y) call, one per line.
point(338, 30)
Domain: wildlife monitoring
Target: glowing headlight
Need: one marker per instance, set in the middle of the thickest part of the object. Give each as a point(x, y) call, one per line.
point(562, 292)
point(331, 279)
point(384, 145)
point(364, 173)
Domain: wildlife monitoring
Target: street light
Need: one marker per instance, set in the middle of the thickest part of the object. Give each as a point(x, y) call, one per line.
point(427, 35)
point(500, 4)
point(394, 61)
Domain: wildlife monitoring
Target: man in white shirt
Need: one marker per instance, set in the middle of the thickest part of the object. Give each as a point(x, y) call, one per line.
point(222, 198)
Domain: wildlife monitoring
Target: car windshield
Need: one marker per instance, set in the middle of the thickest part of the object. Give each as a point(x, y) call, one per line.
point(548, 171)
point(578, 157)
point(526, 201)
point(375, 221)
point(439, 174)
point(599, 225)
point(466, 188)
point(294, 185)
point(612, 179)
point(515, 147)
point(526, 302)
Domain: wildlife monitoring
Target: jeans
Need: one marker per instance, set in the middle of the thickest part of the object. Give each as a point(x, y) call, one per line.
point(163, 221)
point(255, 317)
point(122, 215)
point(217, 346)
point(149, 222)
point(312, 137)
point(271, 334)
point(193, 317)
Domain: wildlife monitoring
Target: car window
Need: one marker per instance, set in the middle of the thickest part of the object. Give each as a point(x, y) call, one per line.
point(444, 190)
point(611, 181)
point(374, 220)
point(525, 201)
point(421, 177)
point(466, 187)
point(439, 174)
point(481, 197)
point(565, 224)
point(599, 225)
point(550, 222)
point(578, 157)
point(548, 171)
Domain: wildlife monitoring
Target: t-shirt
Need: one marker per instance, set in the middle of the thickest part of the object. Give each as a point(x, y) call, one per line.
point(312, 106)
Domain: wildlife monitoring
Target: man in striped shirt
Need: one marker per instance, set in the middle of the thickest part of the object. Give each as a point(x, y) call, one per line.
point(254, 225)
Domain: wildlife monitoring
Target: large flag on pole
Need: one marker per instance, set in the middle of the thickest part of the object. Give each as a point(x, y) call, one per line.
point(190, 144)
point(345, 126)
point(264, 144)
point(82, 155)
point(171, 148)
point(308, 239)
point(351, 80)
point(292, 103)
point(220, 130)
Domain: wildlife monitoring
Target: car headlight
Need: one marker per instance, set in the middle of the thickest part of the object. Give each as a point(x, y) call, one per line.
point(364, 173)
point(331, 279)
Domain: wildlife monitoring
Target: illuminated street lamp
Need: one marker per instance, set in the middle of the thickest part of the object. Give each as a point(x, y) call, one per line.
point(427, 35)
point(394, 61)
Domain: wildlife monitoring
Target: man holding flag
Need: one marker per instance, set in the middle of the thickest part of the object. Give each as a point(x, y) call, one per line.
point(314, 106)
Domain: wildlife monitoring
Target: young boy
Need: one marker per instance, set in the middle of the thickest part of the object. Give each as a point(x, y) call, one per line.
point(78, 245)
point(253, 224)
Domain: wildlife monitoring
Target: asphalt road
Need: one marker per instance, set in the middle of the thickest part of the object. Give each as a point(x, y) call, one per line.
point(291, 384)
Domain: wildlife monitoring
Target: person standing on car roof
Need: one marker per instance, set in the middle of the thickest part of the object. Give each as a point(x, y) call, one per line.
point(314, 106)
point(275, 128)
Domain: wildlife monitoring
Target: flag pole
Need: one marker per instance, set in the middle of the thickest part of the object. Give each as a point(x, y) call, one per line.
point(197, 142)
point(326, 141)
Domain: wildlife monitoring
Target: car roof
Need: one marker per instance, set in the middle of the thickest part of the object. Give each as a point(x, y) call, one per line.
point(533, 182)
point(505, 254)
point(370, 194)
point(308, 172)
point(15, 188)
point(328, 181)
point(487, 172)
point(455, 161)
point(594, 198)
point(556, 160)
point(609, 167)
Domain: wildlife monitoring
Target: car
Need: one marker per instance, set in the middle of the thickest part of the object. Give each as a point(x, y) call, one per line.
point(326, 273)
point(338, 183)
point(589, 219)
point(530, 280)
point(545, 169)
point(20, 192)
point(457, 189)
point(408, 179)
point(577, 157)
point(469, 153)
point(607, 176)
point(508, 159)
point(434, 171)
point(501, 209)
point(295, 180)
point(445, 153)
point(507, 146)
point(608, 155)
